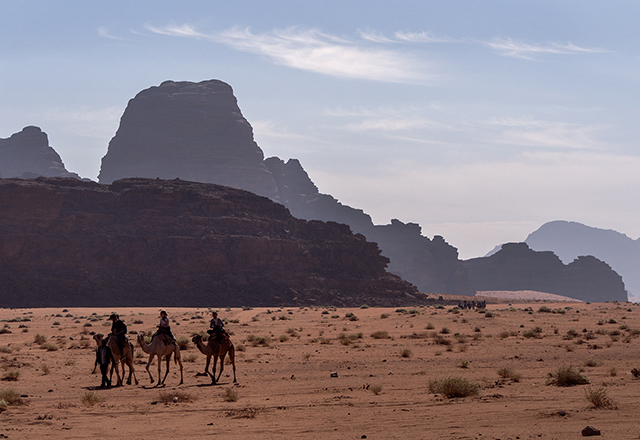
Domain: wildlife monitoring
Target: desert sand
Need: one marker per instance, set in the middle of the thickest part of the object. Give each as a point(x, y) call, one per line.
point(332, 374)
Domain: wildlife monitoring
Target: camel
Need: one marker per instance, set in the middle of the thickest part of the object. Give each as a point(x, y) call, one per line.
point(127, 359)
point(215, 349)
point(157, 347)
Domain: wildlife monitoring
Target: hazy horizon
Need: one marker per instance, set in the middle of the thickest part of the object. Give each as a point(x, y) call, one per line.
point(479, 121)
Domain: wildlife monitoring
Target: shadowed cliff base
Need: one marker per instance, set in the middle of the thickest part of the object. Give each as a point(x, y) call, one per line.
point(145, 242)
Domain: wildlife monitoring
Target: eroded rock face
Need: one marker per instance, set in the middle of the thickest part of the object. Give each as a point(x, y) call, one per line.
point(146, 242)
point(517, 267)
point(27, 154)
point(195, 131)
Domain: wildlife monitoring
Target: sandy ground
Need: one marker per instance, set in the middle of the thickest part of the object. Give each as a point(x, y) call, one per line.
point(286, 389)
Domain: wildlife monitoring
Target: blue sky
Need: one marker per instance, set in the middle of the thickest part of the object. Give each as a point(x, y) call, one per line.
point(479, 120)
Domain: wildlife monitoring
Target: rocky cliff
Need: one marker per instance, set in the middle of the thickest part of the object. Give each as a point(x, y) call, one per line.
point(27, 154)
point(144, 242)
point(568, 240)
point(195, 131)
point(517, 267)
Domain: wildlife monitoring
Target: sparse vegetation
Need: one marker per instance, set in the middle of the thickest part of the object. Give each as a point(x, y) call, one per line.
point(405, 353)
point(508, 373)
point(11, 376)
point(11, 397)
point(454, 387)
point(376, 389)
point(380, 334)
point(566, 376)
point(599, 399)
point(175, 396)
point(91, 398)
point(230, 395)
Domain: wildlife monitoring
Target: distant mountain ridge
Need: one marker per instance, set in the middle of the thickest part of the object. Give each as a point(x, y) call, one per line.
point(196, 132)
point(569, 240)
point(27, 154)
point(517, 267)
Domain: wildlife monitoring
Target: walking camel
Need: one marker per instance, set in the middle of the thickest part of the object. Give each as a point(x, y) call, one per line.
point(216, 349)
point(119, 358)
point(158, 348)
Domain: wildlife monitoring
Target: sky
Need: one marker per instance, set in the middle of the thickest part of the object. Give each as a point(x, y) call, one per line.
point(480, 121)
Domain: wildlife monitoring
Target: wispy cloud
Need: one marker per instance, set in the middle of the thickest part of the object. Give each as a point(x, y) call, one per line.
point(105, 33)
point(518, 49)
point(546, 134)
point(316, 51)
point(423, 37)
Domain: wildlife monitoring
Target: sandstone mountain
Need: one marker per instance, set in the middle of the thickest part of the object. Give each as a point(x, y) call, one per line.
point(568, 240)
point(27, 154)
point(196, 132)
point(146, 242)
point(517, 267)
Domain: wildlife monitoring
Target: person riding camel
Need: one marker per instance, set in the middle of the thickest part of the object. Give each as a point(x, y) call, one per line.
point(119, 330)
point(217, 328)
point(164, 328)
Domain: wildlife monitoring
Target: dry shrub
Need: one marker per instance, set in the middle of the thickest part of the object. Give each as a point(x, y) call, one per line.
point(245, 413)
point(258, 340)
point(376, 389)
point(285, 338)
point(49, 346)
point(45, 369)
point(39, 339)
point(191, 357)
point(11, 376)
point(183, 343)
point(591, 363)
point(566, 377)
point(503, 334)
point(406, 353)
point(175, 397)
point(5, 349)
point(230, 395)
point(599, 399)
point(508, 373)
point(464, 363)
point(439, 340)
point(91, 398)
point(454, 387)
point(380, 334)
point(11, 397)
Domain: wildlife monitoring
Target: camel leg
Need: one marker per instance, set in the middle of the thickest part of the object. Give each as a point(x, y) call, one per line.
point(116, 366)
point(132, 372)
point(221, 365)
point(232, 356)
point(181, 372)
point(147, 367)
point(166, 373)
point(213, 369)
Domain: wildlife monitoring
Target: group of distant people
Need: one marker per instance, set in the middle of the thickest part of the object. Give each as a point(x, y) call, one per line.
point(472, 304)
point(104, 355)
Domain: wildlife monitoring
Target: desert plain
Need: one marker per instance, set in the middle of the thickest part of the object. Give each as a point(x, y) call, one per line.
point(317, 372)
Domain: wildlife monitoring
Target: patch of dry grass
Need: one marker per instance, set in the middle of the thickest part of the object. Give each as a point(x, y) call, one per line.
point(454, 387)
point(599, 399)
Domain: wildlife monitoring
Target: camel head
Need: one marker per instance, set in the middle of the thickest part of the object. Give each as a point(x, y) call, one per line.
point(98, 338)
point(196, 339)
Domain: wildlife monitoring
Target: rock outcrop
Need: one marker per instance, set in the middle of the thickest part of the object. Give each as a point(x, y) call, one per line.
point(195, 131)
point(146, 242)
point(27, 154)
point(568, 240)
point(517, 267)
